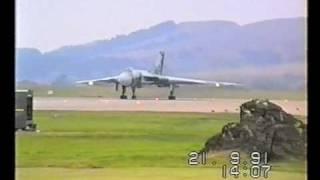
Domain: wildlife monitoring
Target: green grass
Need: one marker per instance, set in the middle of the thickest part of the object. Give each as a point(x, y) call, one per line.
point(144, 173)
point(125, 143)
point(117, 139)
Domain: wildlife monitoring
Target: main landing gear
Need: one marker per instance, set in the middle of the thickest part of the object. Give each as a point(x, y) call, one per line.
point(171, 95)
point(133, 89)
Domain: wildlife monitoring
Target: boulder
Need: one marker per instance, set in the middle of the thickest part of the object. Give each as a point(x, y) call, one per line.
point(263, 127)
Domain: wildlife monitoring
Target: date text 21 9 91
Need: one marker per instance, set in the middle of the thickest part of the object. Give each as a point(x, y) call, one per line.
point(257, 166)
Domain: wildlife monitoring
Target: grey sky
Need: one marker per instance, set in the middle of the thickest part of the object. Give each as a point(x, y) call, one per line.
point(50, 24)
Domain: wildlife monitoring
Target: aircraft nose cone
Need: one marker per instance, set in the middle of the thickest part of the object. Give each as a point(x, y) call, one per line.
point(125, 79)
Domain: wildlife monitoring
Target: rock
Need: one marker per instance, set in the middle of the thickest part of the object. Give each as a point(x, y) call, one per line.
point(263, 127)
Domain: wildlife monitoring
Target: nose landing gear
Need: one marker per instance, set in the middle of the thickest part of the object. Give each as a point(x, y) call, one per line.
point(123, 93)
point(123, 97)
point(171, 97)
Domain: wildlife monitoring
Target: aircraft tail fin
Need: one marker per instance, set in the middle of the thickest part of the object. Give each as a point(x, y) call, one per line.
point(159, 67)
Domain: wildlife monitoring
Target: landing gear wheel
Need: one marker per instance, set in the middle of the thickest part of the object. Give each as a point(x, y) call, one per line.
point(134, 97)
point(171, 97)
point(123, 97)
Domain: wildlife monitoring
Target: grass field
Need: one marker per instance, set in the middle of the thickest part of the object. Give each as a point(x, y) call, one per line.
point(154, 173)
point(153, 92)
point(123, 145)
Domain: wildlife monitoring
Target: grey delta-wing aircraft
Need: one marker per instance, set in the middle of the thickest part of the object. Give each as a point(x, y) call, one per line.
point(135, 78)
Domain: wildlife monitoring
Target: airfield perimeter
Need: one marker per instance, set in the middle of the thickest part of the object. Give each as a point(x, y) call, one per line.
point(296, 107)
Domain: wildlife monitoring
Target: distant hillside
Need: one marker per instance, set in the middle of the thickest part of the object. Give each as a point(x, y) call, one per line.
point(267, 54)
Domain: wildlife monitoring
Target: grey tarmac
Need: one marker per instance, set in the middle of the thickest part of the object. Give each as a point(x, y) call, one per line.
point(296, 107)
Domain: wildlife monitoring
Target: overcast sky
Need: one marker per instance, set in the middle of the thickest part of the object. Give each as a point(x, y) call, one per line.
point(50, 24)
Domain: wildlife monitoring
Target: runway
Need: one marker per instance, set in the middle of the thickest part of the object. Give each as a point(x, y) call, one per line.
point(180, 105)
